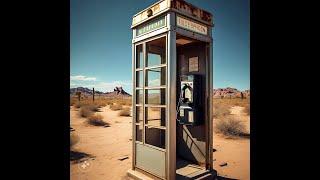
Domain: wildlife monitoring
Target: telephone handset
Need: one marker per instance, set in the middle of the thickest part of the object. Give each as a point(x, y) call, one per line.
point(187, 93)
point(189, 103)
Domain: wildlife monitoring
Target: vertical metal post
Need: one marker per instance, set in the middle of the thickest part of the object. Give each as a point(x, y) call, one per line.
point(171, 98)
point(93, 94)
point(210, 79)
point(133, 102)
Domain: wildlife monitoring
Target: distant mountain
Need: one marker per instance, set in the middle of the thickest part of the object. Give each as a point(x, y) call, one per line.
point(230, 93)
point(117, 92)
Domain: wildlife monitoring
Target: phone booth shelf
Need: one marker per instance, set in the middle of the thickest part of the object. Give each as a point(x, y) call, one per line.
point(172, 82)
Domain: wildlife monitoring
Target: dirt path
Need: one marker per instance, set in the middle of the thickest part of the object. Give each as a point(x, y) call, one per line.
point(106, 144)
point(234, 152)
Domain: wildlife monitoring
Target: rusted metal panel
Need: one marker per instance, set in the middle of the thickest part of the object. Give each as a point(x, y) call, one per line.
point(151, 11)
point(190, 9)
point(179, 6)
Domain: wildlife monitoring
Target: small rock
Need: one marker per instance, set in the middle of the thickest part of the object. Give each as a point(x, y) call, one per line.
point(214, 150)
point(223, 164)
point(106, 126)
point(124, 158)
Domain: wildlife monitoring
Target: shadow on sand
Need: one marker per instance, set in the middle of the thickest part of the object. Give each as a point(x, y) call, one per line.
point(77, 157)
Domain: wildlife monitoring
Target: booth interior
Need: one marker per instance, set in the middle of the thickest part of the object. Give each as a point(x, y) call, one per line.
point(191, 137)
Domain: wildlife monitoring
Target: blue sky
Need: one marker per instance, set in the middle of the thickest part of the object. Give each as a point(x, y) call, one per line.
point(100, 42)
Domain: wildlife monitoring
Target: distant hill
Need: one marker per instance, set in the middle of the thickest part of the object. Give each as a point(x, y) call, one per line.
point(230, 93)
point(117, 92)
point(83, 90)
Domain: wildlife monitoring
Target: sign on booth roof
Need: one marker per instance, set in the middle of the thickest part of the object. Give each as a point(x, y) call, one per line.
point(156, 24)
point(191, 25)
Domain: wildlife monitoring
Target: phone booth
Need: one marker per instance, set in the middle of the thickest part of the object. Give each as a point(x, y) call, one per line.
point(172, 83)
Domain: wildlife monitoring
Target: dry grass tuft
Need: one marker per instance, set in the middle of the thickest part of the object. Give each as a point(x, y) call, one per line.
point(97, 120)
point(116, 107)
point(93, 107)
point(230, 126)
point(85, 111)
point(221, 107)
point(73, 101)
point(220, 110)
point(247, 109)
point(125, 112)
point(100, 101)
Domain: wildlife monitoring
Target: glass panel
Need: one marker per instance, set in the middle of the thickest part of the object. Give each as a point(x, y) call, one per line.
point(156, 77)
point(139, 114)
point(155, 96)
point(139, 133)
point(139, 56)
point(156, 137)
point(139, 79)
point(156, 52)
point(156, 116)
point(139, 97)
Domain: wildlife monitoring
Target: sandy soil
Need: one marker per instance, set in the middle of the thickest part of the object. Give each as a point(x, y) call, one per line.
point(234, 152)
point(109, 144)
point(106, 144)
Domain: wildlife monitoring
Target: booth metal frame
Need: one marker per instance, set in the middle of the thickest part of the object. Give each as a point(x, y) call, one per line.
point(170, 31)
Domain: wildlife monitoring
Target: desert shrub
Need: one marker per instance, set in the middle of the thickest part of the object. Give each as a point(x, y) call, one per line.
point(115, 107)
point(92, 107)
point(97, 120)
point(230, 126)
point(220, 110)
point(74, 139)
point(247, 109)
point(100, 103)
point(81, 103)
point(109, 102)
point(121, 101)
point(232, 102)
point(72, 101)
point(77, 105)
point(85, 111)
point(125, 112)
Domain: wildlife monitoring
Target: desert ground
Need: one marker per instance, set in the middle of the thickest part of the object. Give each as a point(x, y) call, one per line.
point(233, 151)
point(110, 147)
point(104, 152)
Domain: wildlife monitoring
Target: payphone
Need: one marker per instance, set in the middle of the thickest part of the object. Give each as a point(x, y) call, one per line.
point(188, 105)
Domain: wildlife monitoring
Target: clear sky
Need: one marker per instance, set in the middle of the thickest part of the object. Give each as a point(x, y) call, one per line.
point(100, 42)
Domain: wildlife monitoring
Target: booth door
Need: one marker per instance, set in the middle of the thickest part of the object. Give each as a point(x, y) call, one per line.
point(151, 92)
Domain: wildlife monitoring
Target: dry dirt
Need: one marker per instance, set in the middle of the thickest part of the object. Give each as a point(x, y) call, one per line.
point(109, 144)
point(106, 144)
point(235, 152)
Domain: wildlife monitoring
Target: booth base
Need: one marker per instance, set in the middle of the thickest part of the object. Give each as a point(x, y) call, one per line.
point(185, 170)
point(138, 175)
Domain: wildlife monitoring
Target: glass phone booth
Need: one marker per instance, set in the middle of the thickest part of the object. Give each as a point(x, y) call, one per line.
point(172, 82)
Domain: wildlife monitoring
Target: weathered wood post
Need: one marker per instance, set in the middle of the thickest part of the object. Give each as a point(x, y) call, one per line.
point(93, 94)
